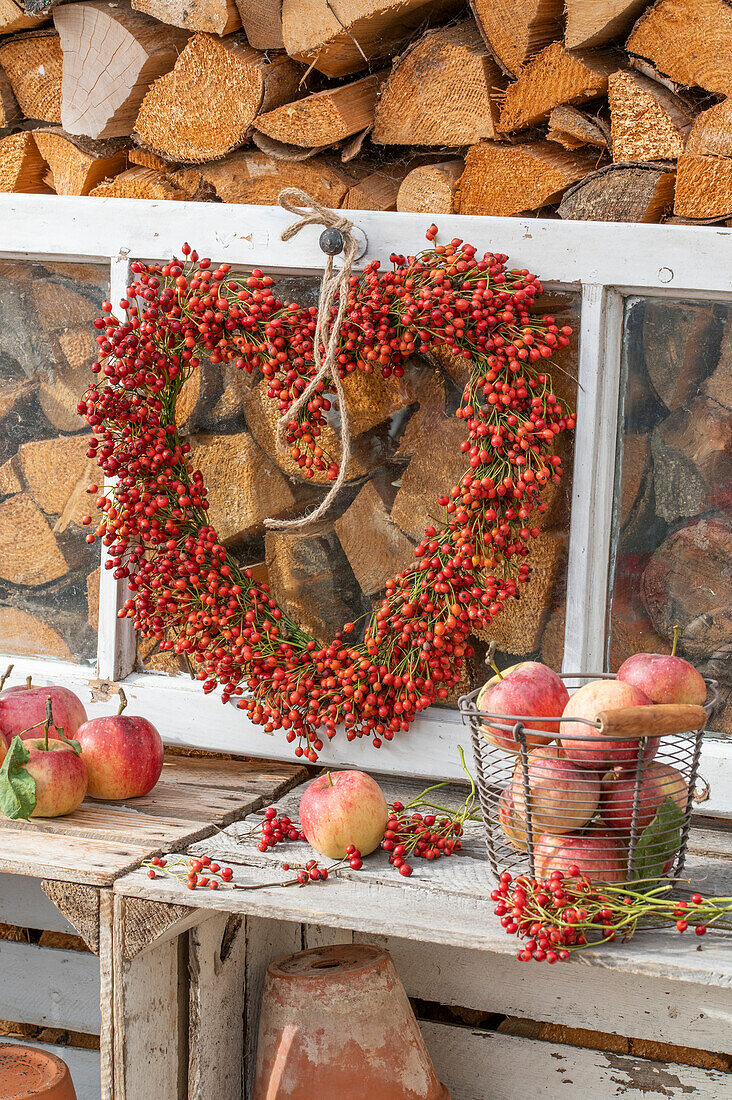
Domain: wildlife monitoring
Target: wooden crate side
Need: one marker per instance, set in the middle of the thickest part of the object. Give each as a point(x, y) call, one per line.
point(24, 904)
point(479, 1065)
point(49, 986)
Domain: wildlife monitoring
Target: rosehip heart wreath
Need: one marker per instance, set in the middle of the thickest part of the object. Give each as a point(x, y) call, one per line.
point(190, 594)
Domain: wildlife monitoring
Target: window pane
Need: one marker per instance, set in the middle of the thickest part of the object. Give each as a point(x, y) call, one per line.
point(673, 508)
point(406, 451)
point(49, 577)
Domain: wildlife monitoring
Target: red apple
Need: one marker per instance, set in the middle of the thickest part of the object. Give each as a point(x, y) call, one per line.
point(598, 854)
point(563, 797)
point(659, 781)
point(591, 749)
point(527, 688)
point(123, 754)
point(510, 822)
point(60, 775)
point(664, 678)
point(342, 808)
point(23, 710)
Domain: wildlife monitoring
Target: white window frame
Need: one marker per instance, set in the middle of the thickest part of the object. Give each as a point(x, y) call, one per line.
point(605, 262)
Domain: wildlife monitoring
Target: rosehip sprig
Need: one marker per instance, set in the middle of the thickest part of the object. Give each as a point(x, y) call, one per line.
point(196, 872)
point(563, 914)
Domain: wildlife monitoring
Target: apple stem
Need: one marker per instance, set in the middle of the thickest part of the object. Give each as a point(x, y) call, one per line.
point(28, 681)
point(677, 631)
point(122, 701)
point(490, 661)
point(330, 779)
point(5, 675)
point(49, 719)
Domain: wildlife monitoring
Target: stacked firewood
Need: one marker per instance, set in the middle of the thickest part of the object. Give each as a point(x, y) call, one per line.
point(608, 111)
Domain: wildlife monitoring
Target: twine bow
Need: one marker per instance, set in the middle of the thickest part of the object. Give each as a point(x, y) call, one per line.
point(327, 333)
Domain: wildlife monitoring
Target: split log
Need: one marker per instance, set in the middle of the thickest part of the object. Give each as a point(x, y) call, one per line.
point(688, 40)
point(515, 30)
point(647, 121)
point(702, 551)
point(138, 183)
point(213, 16)
point(632, 192)
point(111, 56)
point(244, 485)
point(703, 186)
point(376, 191)
point(76, 168)
point(92, 598)
point(717, 385)
point(52, 469)
point(255, 178)
point(362, 31)
point(519, 627)
point(555, 77)
point(599, 22)
point(512, 179)
point(371, 399)
point(325, 117)
point(431, 188)
point(145, 159)
point(32, 63)
point(9, 109)
point(692, 461)
point(551, 651)
point(21, 165)
point(206, 105)
point(262, 22)
point(712, 131)
point(680, 342)
point(10, 482)
point(430, 414)
point(29, 636)
point(374, 545)
point(59, 389)
point(13, 18)
point(29, 554)
point(572, 128)
point(437, 464)
point(441, 91)
point(11, 395)
point(312, 580)
point(58, 305)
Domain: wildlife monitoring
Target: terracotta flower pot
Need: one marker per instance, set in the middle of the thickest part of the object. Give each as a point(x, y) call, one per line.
point(337, 1023)
point(27, 1073)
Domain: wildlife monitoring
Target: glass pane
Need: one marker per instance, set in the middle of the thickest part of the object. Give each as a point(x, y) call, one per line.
point(49, 577)
point(406, 451)
point(673, 508)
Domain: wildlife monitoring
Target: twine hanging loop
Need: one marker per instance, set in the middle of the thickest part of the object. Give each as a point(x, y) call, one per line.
point(327, 335)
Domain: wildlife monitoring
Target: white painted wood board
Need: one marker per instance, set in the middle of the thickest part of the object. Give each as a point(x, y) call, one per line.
point(83, 1065)
point(49, 986)
point(482, 1065)
point(217, 951)
point(24, 904)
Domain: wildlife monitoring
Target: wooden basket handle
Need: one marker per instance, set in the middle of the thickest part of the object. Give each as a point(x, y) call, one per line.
point(651, 721)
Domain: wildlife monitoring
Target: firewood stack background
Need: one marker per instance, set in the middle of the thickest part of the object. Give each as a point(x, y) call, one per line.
point(615, 110)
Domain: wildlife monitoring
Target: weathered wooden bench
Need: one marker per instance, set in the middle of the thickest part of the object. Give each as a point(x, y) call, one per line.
point(57, 876)
point(188, 971)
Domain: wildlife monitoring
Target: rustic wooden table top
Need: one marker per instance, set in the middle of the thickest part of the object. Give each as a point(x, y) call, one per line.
point(194, 797)
point(443, 902)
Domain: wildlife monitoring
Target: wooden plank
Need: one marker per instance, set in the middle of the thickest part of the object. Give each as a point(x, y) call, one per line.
point(49, 986)
point(24, 904)
point(265, 940)
point(59, 857)
point(147, 1019)
point(83, 1066)
point(80, 903)
point(479, 1065)
point(95, 821)
point(217, 951)
point(655, 1009)
point(106, 993)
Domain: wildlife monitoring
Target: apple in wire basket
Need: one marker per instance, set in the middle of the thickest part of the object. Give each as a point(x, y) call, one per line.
point(529, 689)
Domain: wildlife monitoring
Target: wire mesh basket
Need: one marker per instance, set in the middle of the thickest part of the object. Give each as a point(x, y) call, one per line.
point(612, 797)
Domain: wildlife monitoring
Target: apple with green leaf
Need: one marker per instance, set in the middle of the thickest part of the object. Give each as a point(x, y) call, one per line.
point(42, 776)
point(23, 709)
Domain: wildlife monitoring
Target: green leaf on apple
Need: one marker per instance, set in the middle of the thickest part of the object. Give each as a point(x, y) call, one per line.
point(75, 745)
point(659, 842)
point(17, 785)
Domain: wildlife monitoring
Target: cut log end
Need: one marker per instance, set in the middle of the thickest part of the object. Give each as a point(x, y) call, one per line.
point(571, 128)
point(431, 188)
point(257, 179)
point(76, 171)
point(21, 166)
point(178, 119)
point(553, 78)
point(648, 122)
point(689, 41)
point(517, 32)
point(442, 91)
point(138, 183)
point(326, 117)
point(214, 16)
point(703, 187)
point(512, 179)
point(33, 64)
point(590, 23)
